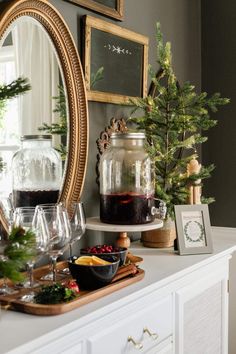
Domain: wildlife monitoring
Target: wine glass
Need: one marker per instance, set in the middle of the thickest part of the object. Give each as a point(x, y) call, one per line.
point(46, 206)
point(77, 224)
point(7, 206)
point(4, 289)
point(36, 222)
point(59, 234)
point(18, 211)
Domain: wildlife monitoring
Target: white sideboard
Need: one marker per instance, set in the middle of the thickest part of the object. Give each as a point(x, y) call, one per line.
point(181, 306)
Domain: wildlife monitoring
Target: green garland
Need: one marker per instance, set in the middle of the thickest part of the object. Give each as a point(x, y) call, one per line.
point(54, 294)
point(19, 250)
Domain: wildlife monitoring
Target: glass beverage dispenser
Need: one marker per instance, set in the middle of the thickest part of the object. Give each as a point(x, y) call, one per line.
point(37, 172)
point(126, 181)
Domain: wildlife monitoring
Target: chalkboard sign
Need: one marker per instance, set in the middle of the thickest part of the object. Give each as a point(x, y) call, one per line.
point(111, 8)
point(110, 3)
point(120, 56)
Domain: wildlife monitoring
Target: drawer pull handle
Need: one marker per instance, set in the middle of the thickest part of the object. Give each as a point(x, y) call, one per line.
point(153, 335)
point(137, 345)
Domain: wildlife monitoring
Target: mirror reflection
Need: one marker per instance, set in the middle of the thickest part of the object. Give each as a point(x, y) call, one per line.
point(28, 52)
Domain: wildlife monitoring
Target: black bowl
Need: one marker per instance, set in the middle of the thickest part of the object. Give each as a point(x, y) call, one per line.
point(121, 254)
point(90, 277)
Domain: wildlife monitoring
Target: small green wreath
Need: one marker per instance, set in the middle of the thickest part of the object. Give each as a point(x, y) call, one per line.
point(202, 232)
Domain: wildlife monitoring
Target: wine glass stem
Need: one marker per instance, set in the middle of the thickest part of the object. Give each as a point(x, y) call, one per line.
point(31, 275)
point(70, 250)
point(54, 268)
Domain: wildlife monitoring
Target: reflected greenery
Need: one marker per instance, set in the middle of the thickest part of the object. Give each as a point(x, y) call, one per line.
point(12, 90)
point(59, 128)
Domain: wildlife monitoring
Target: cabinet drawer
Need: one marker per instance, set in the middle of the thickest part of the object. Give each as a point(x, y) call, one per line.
point(65, 345)
point(165, 347)
point(156, 318)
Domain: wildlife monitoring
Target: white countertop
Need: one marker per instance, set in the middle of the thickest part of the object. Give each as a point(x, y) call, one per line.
point(161, 266)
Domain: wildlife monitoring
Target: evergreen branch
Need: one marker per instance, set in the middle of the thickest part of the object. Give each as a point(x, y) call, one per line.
point(2, 164)
point(61, 104)
point(54, 128)
point(54, 294)
point(15, 88)
point(180, 153)
point(19, 250)
point(209, 200)
point(59, 128)
point(11, 270)
point(204, 173)
point(62, 149)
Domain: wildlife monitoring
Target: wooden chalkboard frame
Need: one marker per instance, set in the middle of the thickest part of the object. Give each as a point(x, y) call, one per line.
point(91, 23)
point(117, 12)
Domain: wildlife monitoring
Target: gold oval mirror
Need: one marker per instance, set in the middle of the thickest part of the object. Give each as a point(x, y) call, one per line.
point(36, 43)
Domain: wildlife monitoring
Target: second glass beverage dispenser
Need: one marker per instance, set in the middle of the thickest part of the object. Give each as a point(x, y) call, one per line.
point(126, 181)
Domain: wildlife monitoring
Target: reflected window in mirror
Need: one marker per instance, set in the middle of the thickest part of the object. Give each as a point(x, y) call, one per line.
point(9, 113)
point(28, 52)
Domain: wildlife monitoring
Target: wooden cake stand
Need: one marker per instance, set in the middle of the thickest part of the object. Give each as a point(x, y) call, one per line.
point(123, 240)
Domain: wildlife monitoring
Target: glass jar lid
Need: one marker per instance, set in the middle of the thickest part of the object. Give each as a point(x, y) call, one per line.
point(128, 135)
point(36, 137)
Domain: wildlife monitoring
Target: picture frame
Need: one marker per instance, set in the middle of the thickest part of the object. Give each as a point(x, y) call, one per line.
point(193, 229)
point(110, 8)
point(123, 56)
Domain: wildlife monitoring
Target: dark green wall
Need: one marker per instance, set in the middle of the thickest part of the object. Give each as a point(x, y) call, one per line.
point(180, 21)
point(218, 75)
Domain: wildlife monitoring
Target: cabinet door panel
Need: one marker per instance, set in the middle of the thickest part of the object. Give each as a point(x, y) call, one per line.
point(201, 317)
point(202, 322)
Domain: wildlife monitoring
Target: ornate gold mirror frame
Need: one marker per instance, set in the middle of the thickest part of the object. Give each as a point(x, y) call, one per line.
point(43, 12)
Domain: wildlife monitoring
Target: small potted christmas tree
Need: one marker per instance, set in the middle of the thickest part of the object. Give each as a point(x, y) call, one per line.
point(174, 118)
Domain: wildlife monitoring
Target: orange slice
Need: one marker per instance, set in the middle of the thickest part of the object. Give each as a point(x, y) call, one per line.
point(91, 260)
point(99, 261)
point(84, 260)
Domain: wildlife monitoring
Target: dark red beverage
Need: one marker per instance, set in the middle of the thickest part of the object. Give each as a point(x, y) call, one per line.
point(23, 198)
point(126, 208)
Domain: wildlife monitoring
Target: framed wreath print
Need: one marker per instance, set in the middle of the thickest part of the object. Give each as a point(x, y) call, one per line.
point(119, 56)
point(110, 8)
point(193, 229)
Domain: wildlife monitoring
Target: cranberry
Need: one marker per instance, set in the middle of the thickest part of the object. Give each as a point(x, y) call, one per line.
point(102, 249)
point(71, 284)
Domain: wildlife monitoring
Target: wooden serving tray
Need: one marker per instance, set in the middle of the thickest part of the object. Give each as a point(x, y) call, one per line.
point(124, 277)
